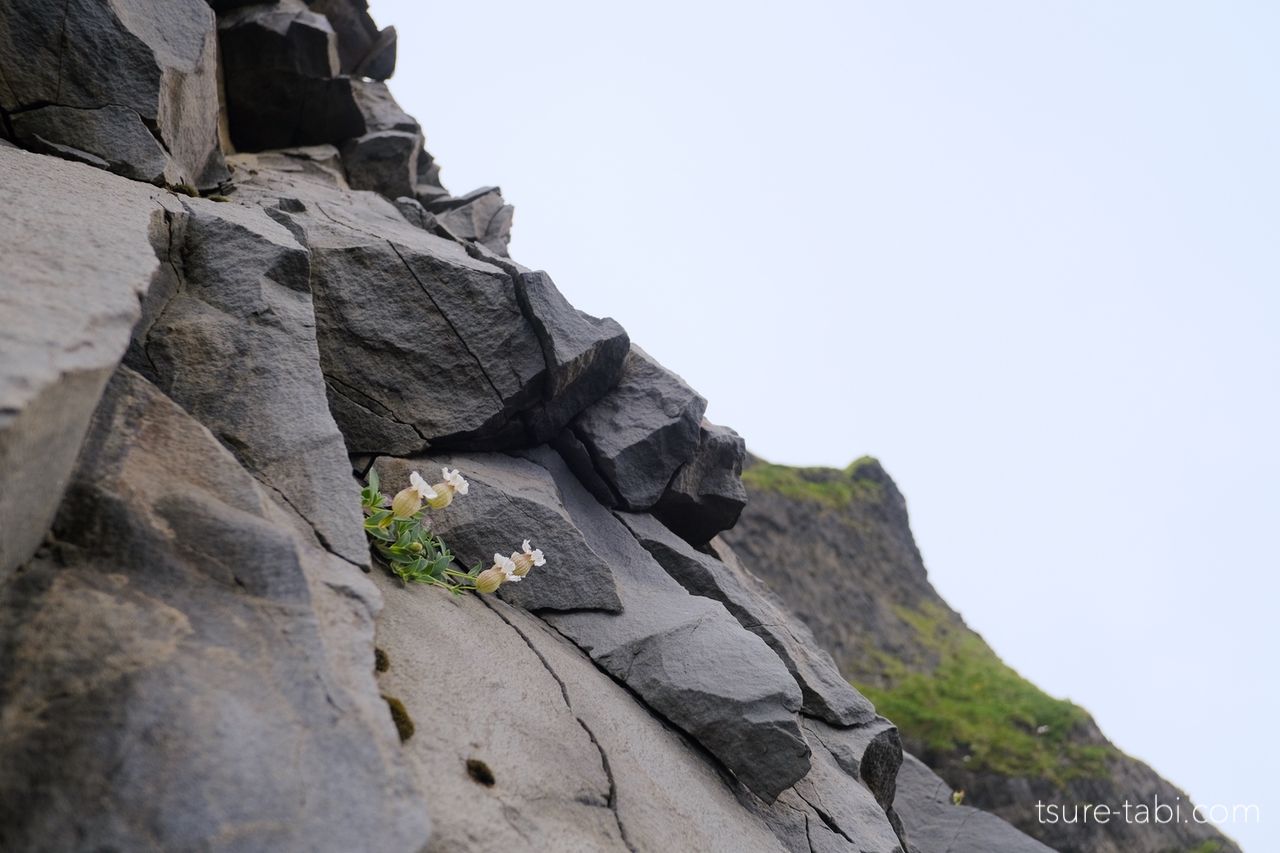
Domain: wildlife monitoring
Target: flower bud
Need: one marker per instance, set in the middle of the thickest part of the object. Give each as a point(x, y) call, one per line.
point(406, 503)
point(489, 580)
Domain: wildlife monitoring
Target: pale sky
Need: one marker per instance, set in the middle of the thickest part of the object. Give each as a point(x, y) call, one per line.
point(1027, 254)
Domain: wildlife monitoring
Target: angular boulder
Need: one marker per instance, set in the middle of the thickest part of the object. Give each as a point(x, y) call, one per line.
point(76, 246)
point(934, 824)
point(182, 669)
point(510, 500)
point(640, 432)
point(684, 655)
point(826, 693)
point(706, 495)
point(280, 71)
point(480, 216)
point(363, 49)
point(232, 340)
point(384, 160)
point(129, 86)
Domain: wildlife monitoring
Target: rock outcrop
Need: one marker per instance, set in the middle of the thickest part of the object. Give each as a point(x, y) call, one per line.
point(216, 323)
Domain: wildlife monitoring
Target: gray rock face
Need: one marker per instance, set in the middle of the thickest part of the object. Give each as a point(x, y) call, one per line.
point(363, 49)
point(639, 433)
point(511, 500)
point(935, 825)
point(76, 250)
point(185, 670)
point(280, 71)
point(480, 216)
point(231, 338)
point(384, 160)
point(428, 189)
point(509, 765)
point(826, 694)
point(706, 495)
point(128, 86)
point(584, 355)
point(871, 751)
point(684, 655)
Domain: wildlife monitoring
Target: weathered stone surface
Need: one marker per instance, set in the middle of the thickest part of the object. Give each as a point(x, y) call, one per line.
point(280, 67)
point(428, 189)
point(667, 793)
point(935, 825)
point(684, 655)
point(826, 694)
point(706, 495)
point(641, 431)
point(511, 500)
point(76, 250)
point(111, 137)
point(99, 75)
point(584, 355)
point(871, 752)
point(233, 342)
point(480, 216)
point(477, 693)
point(384, 160)
point(363, 49)
point(184, 672)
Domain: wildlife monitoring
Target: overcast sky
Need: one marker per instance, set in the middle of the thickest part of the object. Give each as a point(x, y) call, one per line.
point(1027, 254)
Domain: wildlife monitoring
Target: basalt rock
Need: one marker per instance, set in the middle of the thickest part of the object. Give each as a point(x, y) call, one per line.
point(384, 160)
point(363, 49)
point(76, 247)
point(280, 71)
point(128, 86)
point(510, 500)
point(685, 656)
point(230, 335)
point(642, 431)
point(826, 694)
point(184, 669)
point(706, 495)
point(480, 216)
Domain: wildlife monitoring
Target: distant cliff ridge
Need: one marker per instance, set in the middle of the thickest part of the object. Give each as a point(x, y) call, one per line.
point(836, 547)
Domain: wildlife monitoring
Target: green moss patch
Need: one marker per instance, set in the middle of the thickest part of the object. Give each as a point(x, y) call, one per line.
point(829, 486)
point(973, 704)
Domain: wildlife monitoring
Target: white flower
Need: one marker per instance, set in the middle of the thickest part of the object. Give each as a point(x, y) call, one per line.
point(455, 479)
point(527, 559)
point(506, 566)
point(420, 486)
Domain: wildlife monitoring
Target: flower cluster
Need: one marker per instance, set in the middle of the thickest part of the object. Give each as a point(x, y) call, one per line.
point(402, 537)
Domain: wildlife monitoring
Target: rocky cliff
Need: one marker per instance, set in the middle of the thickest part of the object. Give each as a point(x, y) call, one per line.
point(235, 292)
point(836, 547)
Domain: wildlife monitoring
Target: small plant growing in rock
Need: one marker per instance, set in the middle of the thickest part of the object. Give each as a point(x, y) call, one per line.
point(401, 535)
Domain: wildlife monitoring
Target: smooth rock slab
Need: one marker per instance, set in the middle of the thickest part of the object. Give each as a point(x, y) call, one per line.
point(639, 433)
point(233, 342)
point(76, 250)
point(684, 655)
point(154, 61)
point(510, 500)
point(826, 694)
point(706, 495)
point(477, 693)
point(935, 825)
point(184, 672)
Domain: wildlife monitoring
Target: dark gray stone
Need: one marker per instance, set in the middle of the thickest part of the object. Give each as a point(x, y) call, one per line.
point(112, 136)
point(510, 500)
point(183, 670)
point(234, 344)
point(428, 190)
point(480, 216)
point(706, 495)
point(385, 161)
point(642, 430)
point(414, 332)
point(826, 694)
point(98, 75)
point(363, 49)
point(935, 825)
point(379, 108)
point(584, 355)
point(280, 68)
point(871, 751)
point(76, 253)
point(684, 655)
